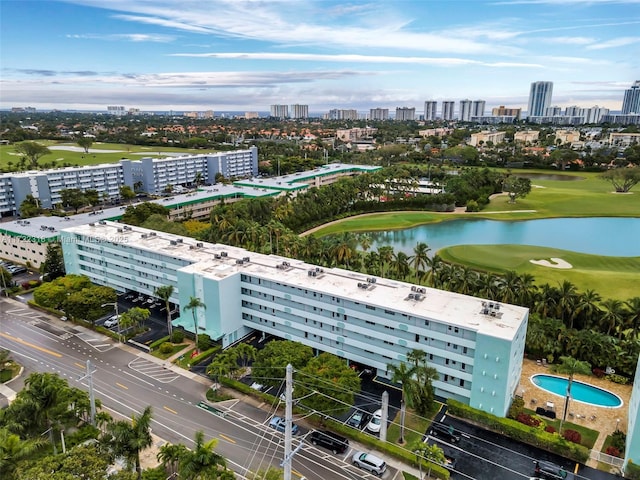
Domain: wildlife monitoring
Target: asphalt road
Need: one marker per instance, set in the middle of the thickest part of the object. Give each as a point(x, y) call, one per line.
point(126, 381)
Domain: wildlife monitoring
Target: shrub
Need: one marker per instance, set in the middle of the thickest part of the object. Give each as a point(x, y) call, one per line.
point(619, 440)
point(613, 451)
point(550, 429)
point(472, 206)
point(632, 471)
point(166, 347)
point(617, 379)
point(155, 344)
point(598, 372)
point(572, 436)
point(516, 408)
point(204, 341)
point(528, 420)
point(177, 336)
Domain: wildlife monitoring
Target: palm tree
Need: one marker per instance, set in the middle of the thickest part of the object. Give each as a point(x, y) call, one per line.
point(170, 456)
point(402, 374)
point(633, 307)
point(245, 353)
point(385, 255)
point(400, 265)
point(420, 258)
point(613, 315)
point(430, 453)
point(129, 439)
point(568, 294)
point(13, 449)
point(586, 307)
point(193, 305)
point(569, 366)
point(202, 462)
point(164, 293)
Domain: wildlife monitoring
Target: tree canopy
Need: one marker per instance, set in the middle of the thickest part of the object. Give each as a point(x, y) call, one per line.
point(271, 362)
point(32, 151)
point(622, 179)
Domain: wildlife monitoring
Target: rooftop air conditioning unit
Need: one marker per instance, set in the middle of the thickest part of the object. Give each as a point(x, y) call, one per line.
point(173, 242)
point(92, 224)
point(153, 234)
point(223, 254)
point(199, 244)
point(246, 259)
point(414, 288)
point(102, 222)
point(144, 235)
point(120, 230)
point(239, 262)
point(179, 240)
point(215, 255)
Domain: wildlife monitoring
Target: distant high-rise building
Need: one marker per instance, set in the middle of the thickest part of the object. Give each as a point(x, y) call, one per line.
point(477, 108)
point(447, 109)
point(280, 111)
point(405, 114)
point(430, 108)
point(299, 111)
point(503, 111)
point(340, 114)
point(379, 114)
point(116, 110)
point(464, 115)
point(572, 111)
point(552, 111)
point(595, 114)
point(539, 98)
point(631, 102)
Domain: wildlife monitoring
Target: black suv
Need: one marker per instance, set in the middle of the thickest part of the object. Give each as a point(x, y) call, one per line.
point(330, 441)
point(446, 432)
point(551, 471)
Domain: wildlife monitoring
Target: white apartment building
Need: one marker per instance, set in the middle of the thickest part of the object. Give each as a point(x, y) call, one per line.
point(280, 111)
point(379, 114)
point(448, 107)
point(430, 110)
point(355, 134)
point(623, 140)
point(464, 115)
point(475, 345)
point(405, 114)
point(299, 111)
point(485, 137)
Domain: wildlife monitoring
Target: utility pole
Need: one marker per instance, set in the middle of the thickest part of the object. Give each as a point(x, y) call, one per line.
point(92, 398)
point(385, 413)
point(288, 421)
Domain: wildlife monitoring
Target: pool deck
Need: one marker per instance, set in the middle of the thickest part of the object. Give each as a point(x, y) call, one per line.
point(601, 419)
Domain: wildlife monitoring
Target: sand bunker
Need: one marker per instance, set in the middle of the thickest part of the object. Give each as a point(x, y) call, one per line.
point(554, 263)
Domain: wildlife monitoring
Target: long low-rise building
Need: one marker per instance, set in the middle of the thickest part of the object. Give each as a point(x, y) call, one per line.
point(151, 175)
point(476, 346)
point(25, 240)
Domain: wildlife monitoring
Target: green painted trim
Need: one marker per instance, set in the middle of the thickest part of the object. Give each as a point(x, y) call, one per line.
point(29, 238)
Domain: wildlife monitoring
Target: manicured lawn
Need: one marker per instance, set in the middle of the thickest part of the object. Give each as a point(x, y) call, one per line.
point(60, 157)
point(589, 436)
point(414, 428)
point(611, 277)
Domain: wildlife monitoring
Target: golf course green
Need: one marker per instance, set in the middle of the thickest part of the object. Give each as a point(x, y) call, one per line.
point(611, 277)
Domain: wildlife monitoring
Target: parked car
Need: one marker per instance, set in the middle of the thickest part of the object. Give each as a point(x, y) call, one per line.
point(376, 422)
point(444, 431)
point(16, 269)
point(330, 441)
point(358, 419)
point(112, 321)
point(369, 462)
point(278, 423)
point(550, 471)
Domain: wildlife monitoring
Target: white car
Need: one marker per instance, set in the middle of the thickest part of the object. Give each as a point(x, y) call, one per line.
point(112, 321)
point(376, 422)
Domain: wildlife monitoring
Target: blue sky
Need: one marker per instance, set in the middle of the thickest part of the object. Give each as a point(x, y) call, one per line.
point(241, 55)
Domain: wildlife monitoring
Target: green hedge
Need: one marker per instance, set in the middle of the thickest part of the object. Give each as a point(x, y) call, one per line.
point(157, 343)
point(394, 450)
point(518, 431)
point(204, 355)
point(52, 311)
point(632, 471)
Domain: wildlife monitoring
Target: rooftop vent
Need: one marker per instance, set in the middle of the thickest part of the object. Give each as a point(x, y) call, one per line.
point(144, 235)
point(246, 259)
point(371, 280)
point(223, 254)
point(120, 230)
point(179, 240)
point(173, 242)
point(215, 255)
point(199, 244)
point(312, 273)
point(239, 261)
point(153, 234)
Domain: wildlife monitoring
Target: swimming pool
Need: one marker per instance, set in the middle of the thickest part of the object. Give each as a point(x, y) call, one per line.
point(580, 392)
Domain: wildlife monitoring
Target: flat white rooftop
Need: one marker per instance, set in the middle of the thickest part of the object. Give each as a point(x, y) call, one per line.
point(217, 261)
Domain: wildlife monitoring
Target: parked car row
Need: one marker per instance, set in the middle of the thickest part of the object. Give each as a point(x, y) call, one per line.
point(336, 444)
point(12, 268)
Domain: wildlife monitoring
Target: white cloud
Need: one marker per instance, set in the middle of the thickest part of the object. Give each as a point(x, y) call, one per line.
point(349, 58)
point(614, 43)
point(132, 37)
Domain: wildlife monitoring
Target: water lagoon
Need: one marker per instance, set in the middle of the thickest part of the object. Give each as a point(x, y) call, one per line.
point(603, 236)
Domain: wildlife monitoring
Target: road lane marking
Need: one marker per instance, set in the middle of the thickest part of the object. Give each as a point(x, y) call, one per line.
point(297, 474)
point(79, 365)
point(36, 347)
point(222, 435)
point(169, 409)
point(122, 386)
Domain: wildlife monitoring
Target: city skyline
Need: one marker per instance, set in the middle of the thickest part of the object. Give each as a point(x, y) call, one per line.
point(234, 56)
